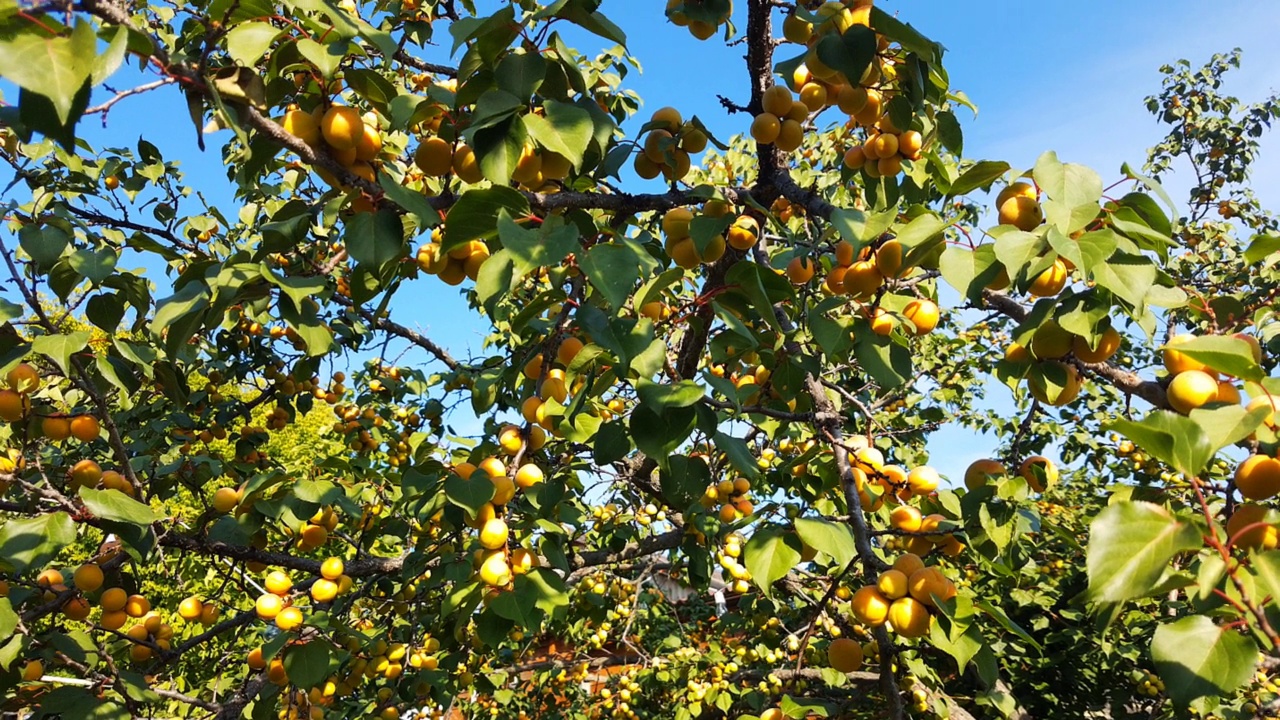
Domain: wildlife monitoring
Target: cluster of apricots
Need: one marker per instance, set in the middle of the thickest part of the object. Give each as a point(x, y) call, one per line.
point(677, 227)
point(1039, 471)
point(495, 563)
point(733, 497)
point(549, 378)
point(1018, 207)
point(668, 146)
point(276, 604)
point(456, 265)
point(698, 16)
point(16, 406)
point(1193, 384)
point(903, 596)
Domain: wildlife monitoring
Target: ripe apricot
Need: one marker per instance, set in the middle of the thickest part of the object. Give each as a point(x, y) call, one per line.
point(1068, 377)
point(1258, 477)
point(55, 428)
point(929, 582)
point(1108, 344)
point(85, 428)
point(113, 599)
point(494, 570)
point(302, 125)
point(14, 405)
point(85, 473)
point(190, 608)
point(923, 314)
point(981, 471)
point(528, 475)
point(1021, 212)
point(225, 500)
point(324, 590)
point(800, 270)
point(1176, 362)
point(845, 655)
point(1017, 189)
point(465, 165)
point(909, 617)
point(278, 583)
point(341, 127)
point(494, 534)
point(906, 518)
point(137, 606)
point(742, 234)
point(862, 280)
point(777, 101)
point(1190, 390)
point(790, 136)
point(268, 606)
point(289, 618)
point(869, 606)
point(87, 578)
point(434, 157)
point(1039, 471)
point(1051, 281)
point(24, 377)
point(892, 584)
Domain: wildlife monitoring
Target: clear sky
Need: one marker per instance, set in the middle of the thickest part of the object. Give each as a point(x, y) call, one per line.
point(1067, 76)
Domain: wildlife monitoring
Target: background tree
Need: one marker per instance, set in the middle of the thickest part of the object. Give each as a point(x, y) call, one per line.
point(698, 487)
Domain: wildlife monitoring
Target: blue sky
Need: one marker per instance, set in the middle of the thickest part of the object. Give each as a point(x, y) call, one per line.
point(1067, 76)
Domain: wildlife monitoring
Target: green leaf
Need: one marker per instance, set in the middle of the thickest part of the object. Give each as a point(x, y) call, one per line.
point(683, 479)
point(307, 665)
point(831, 538)
point(1261, 248)
point(1170, 438)
point(850, 53)
point(860, 229)
point(1017, 250)
point(566, 130)
point(376, 239)
point(60, 348)
point(613, 269)
point(769, 555)
point(1197, 658)
point(34, 542)
point(1128, 277)
point(888, 363)
point(413, 202)
point(1227, 425)
point(55, 67)
point(296, 288)
point(468, 494)
point(1223, 353)
point(980, 174)
point(1072, 191)
point(248, 42)
point(659, 434)
point(475, 215)
point(969, 271)
point(660, 397)
point(1130, 545)
point(532, 249)
point(1266, 565)
point(521, 73)
point(738, 453)
point(94, 265)
point(498, 149)
point(8, 619)
point(44, 244)
point(1086, 251)
point(115, 505)
point(519, 606)
point(749, 280)
point(611, 443)
point(802, 708)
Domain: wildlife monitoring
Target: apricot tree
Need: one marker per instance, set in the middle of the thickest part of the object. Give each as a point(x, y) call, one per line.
point(687, 475)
